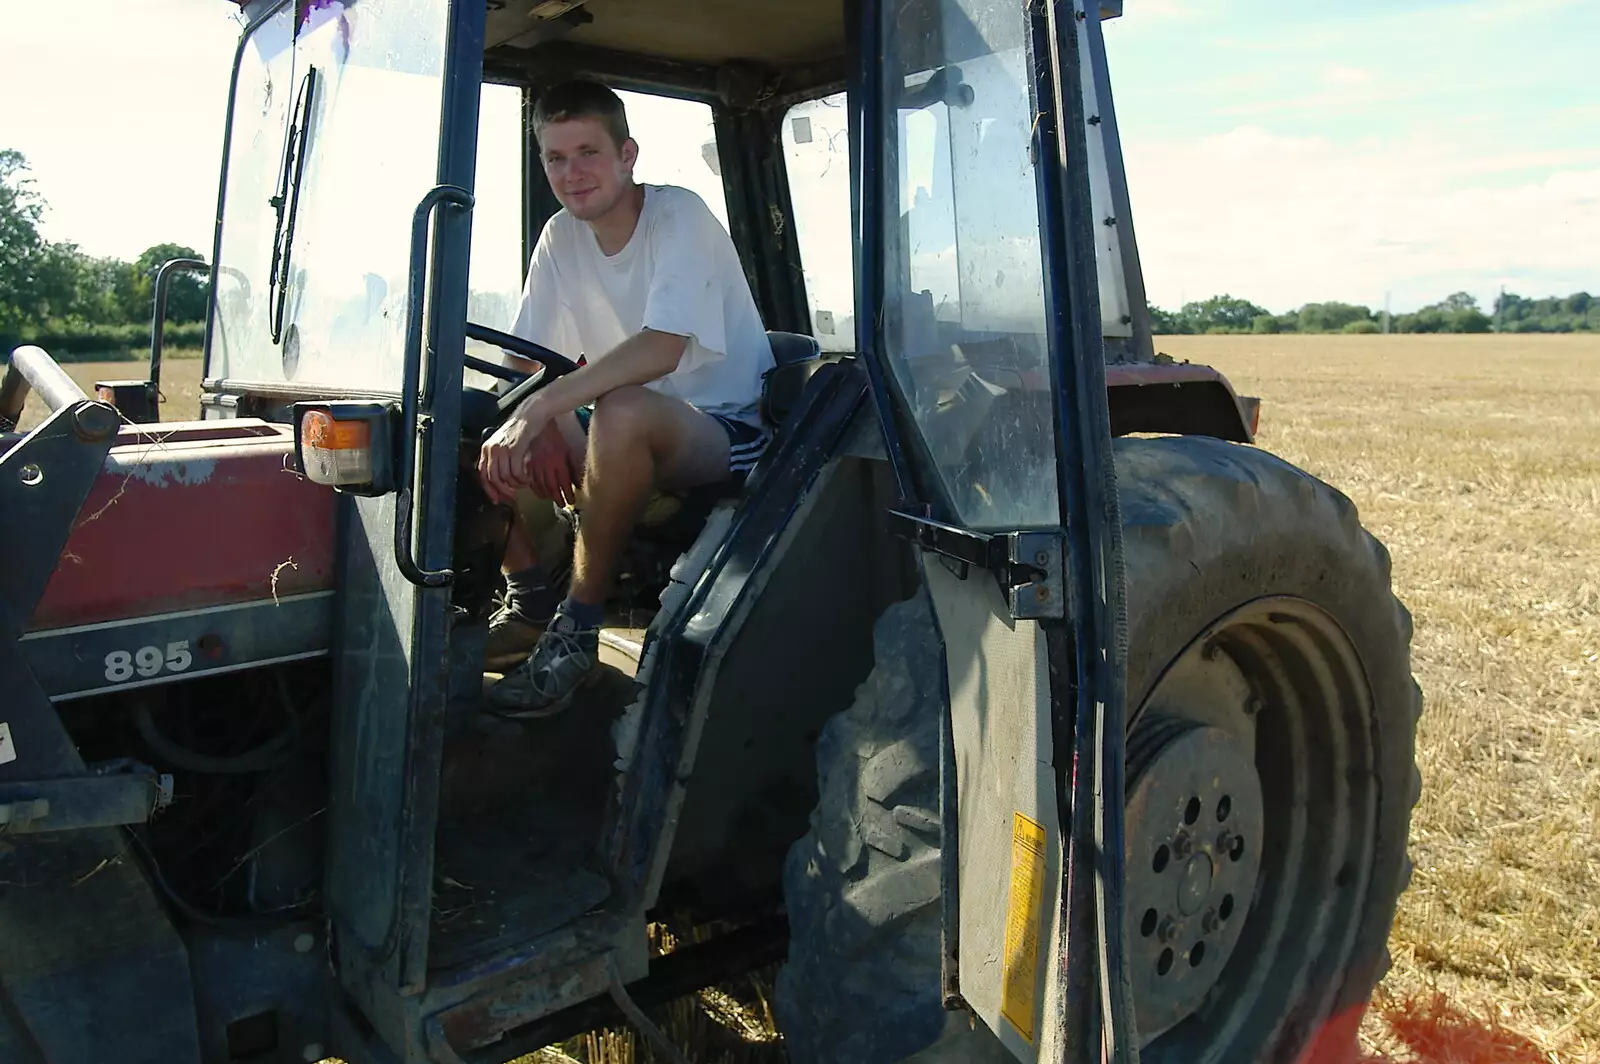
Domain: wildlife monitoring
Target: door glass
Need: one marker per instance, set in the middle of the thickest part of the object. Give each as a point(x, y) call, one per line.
point(677, 146)
point(964, 315)
point(313, 293)
point(495, 279)
point(816, 147)
point(495, 276)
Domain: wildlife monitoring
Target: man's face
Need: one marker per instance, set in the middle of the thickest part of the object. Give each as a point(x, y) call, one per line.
point(588, 171)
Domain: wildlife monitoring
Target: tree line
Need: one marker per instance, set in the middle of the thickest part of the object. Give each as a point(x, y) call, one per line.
point(69, 302)
point(1458, 313)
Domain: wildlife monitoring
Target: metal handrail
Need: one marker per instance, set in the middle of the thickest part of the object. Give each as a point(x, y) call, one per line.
point(411, 420)
point(32, 369)
point(158, 316)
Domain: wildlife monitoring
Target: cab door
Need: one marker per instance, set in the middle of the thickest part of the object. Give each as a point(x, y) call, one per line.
point(984, 351)
point(342, 272)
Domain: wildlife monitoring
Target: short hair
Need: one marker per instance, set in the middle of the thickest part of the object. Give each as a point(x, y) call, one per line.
point(581, 98)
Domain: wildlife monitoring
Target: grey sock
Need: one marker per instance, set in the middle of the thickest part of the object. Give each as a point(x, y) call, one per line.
point(530, 596)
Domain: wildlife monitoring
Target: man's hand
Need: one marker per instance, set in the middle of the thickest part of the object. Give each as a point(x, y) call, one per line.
point(527, 451)
point(551, 472)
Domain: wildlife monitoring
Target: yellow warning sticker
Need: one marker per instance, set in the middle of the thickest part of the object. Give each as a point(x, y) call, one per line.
point(1020, 970)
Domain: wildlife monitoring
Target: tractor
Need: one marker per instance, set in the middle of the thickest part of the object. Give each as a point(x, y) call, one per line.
point(1017, 706)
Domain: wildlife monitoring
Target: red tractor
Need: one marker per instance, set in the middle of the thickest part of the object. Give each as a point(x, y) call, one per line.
point(1017, 704)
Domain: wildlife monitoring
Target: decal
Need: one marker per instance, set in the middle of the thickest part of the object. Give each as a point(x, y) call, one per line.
point(124, 665)
point(1020, 965)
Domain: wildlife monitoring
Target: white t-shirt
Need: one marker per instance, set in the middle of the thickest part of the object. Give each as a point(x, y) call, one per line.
point(679, 274)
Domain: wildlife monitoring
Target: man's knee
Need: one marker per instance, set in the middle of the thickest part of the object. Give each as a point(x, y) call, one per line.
point(626, 417)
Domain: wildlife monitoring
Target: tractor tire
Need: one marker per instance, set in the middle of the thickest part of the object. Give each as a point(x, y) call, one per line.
point(1231, 555)
point(862, 886)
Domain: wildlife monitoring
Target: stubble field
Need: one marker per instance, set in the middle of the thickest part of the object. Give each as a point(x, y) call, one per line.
point(180, 384)
point(1477, 461)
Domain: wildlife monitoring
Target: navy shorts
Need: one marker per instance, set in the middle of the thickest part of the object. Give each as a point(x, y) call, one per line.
point(746, 442)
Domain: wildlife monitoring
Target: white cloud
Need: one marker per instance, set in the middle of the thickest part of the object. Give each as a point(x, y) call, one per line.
point(1286, 220)
point(1338, 74)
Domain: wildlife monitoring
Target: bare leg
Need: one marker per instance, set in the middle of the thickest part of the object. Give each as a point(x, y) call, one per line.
point(536, 557)
point(520, 554)
point(520, 550)
point(638, 440)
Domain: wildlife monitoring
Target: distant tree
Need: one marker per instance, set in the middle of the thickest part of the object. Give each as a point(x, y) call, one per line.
point(1578, 312)
point(1361, 325)
point(102, 285)
point(1267, 324)
point(21, 248)
point(1165, 322)
point(1458, 313)
point(1331, 317)
point(186, 295)
point(1224, 313)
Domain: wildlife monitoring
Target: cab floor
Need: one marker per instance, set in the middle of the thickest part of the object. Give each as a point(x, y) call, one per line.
point(522, 807)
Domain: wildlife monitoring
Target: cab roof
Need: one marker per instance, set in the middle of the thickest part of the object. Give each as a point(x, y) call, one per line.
point(787, 45)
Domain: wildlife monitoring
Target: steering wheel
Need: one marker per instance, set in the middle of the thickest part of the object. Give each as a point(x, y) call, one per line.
point(522, 384)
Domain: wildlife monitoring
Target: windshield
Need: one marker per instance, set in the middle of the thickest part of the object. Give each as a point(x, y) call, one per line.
point(334, 140)
point(964, 320)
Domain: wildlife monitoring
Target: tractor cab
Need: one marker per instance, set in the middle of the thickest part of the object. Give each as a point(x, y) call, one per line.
point(381, 194)
point(873, 713)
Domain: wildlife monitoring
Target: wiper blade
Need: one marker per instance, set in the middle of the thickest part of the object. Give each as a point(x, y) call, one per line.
point(287, 202)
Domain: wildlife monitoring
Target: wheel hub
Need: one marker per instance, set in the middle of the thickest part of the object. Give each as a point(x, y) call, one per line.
point(1194, 843)
point(1196, 884)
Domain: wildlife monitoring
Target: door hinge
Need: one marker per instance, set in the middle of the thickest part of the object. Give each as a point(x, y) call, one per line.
point(1028, 565)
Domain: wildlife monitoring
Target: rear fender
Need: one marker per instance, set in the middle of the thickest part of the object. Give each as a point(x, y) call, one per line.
point(1178, 398)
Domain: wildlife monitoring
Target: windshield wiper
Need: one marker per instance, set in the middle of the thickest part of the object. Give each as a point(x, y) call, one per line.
point(287, 202)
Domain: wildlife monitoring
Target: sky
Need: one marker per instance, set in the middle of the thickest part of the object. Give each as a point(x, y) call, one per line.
point(1283, 151)
point(1294, 150)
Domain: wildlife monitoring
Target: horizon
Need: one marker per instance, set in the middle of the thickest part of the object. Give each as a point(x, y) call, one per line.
point(1281, 155)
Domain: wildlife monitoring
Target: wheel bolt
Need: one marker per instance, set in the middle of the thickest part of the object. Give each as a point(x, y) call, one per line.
point(1224, 842)
point(1181, 846)
point(1209, 922)
point(1168, 930)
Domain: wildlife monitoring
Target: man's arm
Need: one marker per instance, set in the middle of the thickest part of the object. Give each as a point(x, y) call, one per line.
point(504, 463)
point(645, 356)
point(518, 363)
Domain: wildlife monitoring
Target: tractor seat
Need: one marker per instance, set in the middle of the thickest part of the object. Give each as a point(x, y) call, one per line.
point(796, 357)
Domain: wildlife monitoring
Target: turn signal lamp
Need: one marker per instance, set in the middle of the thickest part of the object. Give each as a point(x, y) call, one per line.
point(348, 446)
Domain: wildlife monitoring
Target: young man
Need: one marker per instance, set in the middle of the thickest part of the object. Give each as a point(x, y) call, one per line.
point(644, 283)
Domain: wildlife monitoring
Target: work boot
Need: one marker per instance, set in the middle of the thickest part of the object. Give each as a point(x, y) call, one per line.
point(566, 658)
point(530, 599)
point(512, 638)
